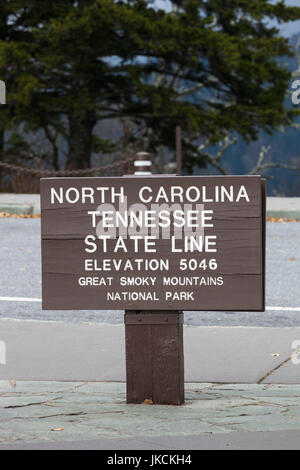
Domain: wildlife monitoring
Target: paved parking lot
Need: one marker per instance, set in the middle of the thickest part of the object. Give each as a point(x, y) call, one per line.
point(21, 278)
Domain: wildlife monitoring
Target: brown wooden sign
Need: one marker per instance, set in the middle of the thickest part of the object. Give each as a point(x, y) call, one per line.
point(155, 243)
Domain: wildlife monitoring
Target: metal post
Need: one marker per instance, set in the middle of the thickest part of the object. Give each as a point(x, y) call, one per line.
point(178, 150)
point(154, 345)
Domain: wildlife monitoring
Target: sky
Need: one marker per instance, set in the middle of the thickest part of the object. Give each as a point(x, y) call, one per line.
point(287, 29)
point(294, 27)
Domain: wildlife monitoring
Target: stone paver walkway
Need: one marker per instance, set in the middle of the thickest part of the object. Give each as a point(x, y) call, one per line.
point(61, 411)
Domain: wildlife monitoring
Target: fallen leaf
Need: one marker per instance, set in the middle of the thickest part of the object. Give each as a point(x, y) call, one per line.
point(275, 354)
point(280, 220)
point(7, 215)
point(148, 401)
point(57, 429)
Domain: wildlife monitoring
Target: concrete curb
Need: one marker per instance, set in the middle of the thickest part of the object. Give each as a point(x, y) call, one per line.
point(283, 207)
point(277, 207)
point(20, 209)
point(35, 210)
point(28, 204)
point(283, 214)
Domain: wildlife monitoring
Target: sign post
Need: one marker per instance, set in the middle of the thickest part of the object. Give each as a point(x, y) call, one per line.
point(161, 243)
point(178, 150)
point(153, 338)
point(154, 357)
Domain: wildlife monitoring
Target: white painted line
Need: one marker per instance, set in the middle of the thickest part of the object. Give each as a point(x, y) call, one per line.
point(27, 299)
point(288, 309)
point(19, 299)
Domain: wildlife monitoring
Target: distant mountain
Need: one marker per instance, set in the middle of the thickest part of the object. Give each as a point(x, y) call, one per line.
point(285, 148)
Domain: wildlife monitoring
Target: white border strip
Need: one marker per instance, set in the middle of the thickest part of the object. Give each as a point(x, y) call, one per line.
point(142, 163)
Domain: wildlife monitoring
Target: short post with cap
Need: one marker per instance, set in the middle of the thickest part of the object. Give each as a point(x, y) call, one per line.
point(142, 164)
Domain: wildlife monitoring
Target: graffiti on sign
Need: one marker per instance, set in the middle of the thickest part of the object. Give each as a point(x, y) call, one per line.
point(161, 242)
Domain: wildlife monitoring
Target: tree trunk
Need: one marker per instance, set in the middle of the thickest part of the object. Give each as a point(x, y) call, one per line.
point(80, 140)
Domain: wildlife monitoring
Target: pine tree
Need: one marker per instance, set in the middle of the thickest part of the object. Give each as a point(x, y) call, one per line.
point(211, 66)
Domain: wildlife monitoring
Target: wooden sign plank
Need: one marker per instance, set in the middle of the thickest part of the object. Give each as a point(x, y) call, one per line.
point(177, 243)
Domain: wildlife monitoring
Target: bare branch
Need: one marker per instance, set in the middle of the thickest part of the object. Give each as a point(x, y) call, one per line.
point(228, 141)
point(275, 165)
point(215, 159)
point(261, 156)
point(188, 91)
point(260, 166)
point(173, 80)
point(214, 162)
point(211, 159)
point(203, 145)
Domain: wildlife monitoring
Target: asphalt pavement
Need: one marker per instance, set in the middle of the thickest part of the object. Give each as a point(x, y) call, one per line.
point(20, 277)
